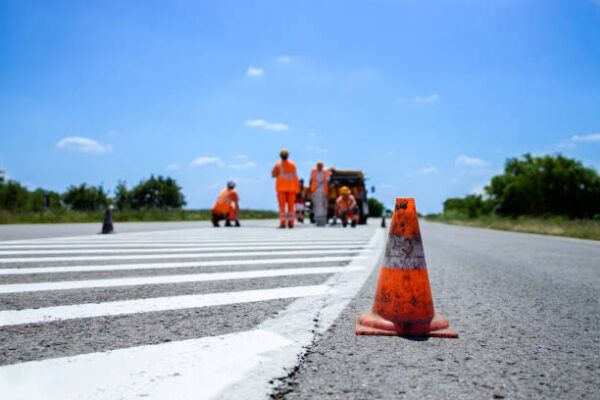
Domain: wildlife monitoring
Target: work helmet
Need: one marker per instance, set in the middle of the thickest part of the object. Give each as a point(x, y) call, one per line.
point(319, 165)
point(284, 154)
point(344, 190)
point(230, 184)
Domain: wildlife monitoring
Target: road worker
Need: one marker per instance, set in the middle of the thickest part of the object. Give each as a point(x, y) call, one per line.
point(226, 207)
point(319, 188)
point(300, 201)
point(287, 186)
point(346, 207)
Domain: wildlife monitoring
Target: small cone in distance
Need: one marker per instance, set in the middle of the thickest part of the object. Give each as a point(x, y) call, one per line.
point(107, 225)
point(383, 221)
point(403, 305)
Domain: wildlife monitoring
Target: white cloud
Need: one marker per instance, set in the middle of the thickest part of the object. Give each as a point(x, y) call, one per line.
point(312, 134)
point(172, 167)
point(269, 126)
point(201, 161)
point(113, 133)
point(246, 165)
point(84, 145)
point(467, 161)
point(284, 59)
point(317, 149)
point(241, 157)
point(432, 98)
point(592, 137)
point(254, 71)
point(423, 171)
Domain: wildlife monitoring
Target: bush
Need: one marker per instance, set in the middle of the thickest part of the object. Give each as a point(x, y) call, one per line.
point(375, 207)
point(470, 206)
point(158, 192)
point(84, 198)
point(544, 186)
point(13, 196)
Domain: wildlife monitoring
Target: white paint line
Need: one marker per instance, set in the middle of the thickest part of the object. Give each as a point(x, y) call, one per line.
point(188, 369)
point(188, 264)
point(177, 250)
point(175, 265)
point(296, 323)
point(92, 310)
point(166, 279)
point(161, 256)
point(155, 244)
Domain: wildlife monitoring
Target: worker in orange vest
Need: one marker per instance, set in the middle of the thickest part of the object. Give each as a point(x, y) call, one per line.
point(286, 185)
point(319, 188)
point(226, 207)
point(346, 207)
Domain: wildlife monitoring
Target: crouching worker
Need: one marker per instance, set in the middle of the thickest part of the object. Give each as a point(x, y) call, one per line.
point(227, 206)
point(346, 207)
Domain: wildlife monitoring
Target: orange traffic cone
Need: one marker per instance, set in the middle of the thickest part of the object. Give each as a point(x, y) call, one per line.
point(403, 304)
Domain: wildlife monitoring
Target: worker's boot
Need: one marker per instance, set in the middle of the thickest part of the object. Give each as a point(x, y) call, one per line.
point(237, 223)
point(215, 221)
point(344, 223)
point(353, 224)
point(228, 223)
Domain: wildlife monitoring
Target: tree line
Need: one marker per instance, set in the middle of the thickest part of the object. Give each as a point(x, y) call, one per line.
point(152, 193)
point(542, 186)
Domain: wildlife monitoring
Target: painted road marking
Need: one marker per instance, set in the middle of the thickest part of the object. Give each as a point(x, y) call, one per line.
point(179, 249)
point(187, 369)
point(161, 256)
point(188, 264)
point(167, 279)
point(92, 310)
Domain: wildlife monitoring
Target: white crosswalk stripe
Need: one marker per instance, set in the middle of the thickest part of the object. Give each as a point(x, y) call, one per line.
point(165, 313)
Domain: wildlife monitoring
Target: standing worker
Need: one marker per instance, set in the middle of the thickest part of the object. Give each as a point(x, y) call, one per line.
point(319, 187)
point(226, 207)
point(286, 185)
point(346, 207)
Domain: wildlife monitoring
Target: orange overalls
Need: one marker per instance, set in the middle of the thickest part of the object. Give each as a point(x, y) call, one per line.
point(346, 208)
point(286, 185)
point(225, 204)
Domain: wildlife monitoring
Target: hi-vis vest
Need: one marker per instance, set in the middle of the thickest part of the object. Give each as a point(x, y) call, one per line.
point(224, 202)
point(345, 204)
point(287, 179)
point(314, 178)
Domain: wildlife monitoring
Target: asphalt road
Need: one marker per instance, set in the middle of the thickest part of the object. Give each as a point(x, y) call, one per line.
point(189, 311)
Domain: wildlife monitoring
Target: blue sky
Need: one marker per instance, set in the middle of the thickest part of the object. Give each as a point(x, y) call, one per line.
point(428, 98)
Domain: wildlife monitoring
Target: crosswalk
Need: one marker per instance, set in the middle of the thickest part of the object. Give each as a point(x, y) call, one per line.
point(188, 313)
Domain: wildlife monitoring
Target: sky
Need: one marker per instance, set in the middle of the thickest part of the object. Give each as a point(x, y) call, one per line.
point(428, 98)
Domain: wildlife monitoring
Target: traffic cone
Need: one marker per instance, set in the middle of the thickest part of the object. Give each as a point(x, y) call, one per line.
point(107, 226)
point(403, 304)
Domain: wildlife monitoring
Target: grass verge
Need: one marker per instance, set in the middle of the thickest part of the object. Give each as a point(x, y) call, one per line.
point(556, 226)
point(63, 216)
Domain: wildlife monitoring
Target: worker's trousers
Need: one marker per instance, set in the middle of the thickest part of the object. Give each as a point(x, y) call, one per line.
point(286, 199)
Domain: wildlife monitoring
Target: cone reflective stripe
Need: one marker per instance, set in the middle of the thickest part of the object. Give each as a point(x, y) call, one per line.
point(403, 305)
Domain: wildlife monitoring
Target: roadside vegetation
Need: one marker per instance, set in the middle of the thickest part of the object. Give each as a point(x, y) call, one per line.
point(153, 199)
point(551, 195)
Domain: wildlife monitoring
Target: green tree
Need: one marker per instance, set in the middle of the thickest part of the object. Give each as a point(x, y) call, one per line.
point(122, 196)
point(84, 198)
point(157, 193)
point(13, 196)
point(544, 186)
point(375, 207)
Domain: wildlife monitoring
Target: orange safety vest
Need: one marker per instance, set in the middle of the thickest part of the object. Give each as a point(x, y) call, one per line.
point(325, 180)
point(287, 179)
point(344, 204)
point(225, 201)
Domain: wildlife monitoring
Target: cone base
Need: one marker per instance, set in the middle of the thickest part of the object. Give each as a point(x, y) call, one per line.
point(372, 324)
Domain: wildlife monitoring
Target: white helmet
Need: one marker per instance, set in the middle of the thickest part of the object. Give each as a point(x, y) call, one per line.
point(230, 184)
